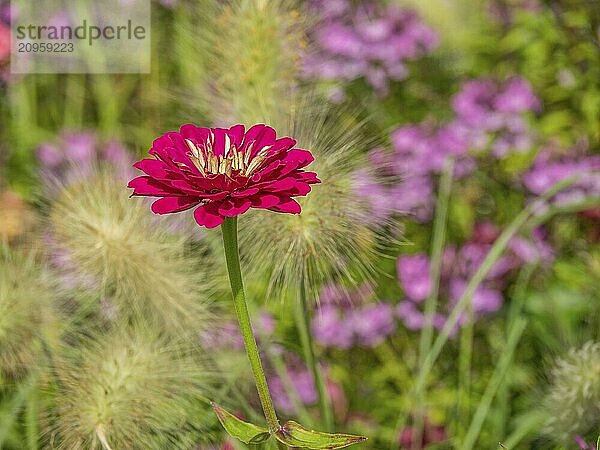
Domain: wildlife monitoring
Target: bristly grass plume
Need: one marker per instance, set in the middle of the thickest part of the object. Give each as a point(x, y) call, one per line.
point(255, 47)
point(27, 312)
point(573, 402)
point(131, 388)
point(140, 266)
point(333, 239)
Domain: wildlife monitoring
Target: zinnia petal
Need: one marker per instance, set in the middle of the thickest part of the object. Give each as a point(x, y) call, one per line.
point(281, 185)
point(168, 205)
point(236, 134)
point(259, 136)
point(152, 167)
point(232, 208)
point(147, 186)
point(265, 201)
point(208, 216)
point(287, 205)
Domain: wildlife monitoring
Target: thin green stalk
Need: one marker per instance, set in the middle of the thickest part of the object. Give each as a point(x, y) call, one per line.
point(282, 372)
point(104, 87)
point(230, 243)
point(75, 98)
point(22, 117)
point(514, 312)
point(111, 95)
point(525, 425)
point(554, 210)
point(31, 420)
point(464, 369)
point(32, 88)
point(303, 326)
point(276, 360)
point(437, 248)
point(518, 300)
point(494, 384)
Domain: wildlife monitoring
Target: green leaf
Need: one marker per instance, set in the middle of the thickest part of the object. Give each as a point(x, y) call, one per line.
point(246, 432)
point(293, 434)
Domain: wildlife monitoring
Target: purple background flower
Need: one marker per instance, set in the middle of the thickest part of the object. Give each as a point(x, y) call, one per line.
point(490, 118)
point(365, 40)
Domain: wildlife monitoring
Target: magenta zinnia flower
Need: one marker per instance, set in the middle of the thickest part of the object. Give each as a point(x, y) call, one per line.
point(224, 172)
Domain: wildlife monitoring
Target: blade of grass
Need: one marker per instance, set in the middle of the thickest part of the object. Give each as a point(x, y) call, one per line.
point(31, 420)
point(525, 426)
point(465, 357)
point(514, 312)
point(75, 99)
point(277, 362)
point(283, 374)
point(437, 248)
point(308, 347)
point(494, 384)
point(554, 210)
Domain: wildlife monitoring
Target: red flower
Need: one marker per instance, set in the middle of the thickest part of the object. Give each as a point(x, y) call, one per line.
point(224, 172)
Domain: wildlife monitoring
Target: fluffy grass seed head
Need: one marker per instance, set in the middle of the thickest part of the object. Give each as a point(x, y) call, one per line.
point(333, 238)
point(255, 49)
point(130, 389)
point(140, 264)
point(27, 311)
point(573, 402)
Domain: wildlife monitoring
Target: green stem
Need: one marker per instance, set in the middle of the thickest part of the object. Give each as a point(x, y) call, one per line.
point(464, 370)
point(282, 372)
point(32, 420)
point(520, 292)
point(526, 425)
point(554, 210)
point(229, 229)
point(75, 99)
point(494, 384)
point(303, 326)
point(437, 248)
point(514, 314)
point(11, 407)
point(276, 360)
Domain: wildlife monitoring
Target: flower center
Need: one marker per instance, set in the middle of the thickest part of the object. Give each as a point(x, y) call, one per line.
point(232, 160)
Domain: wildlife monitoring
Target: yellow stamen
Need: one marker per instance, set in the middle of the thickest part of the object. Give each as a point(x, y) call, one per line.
point(232, 159)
